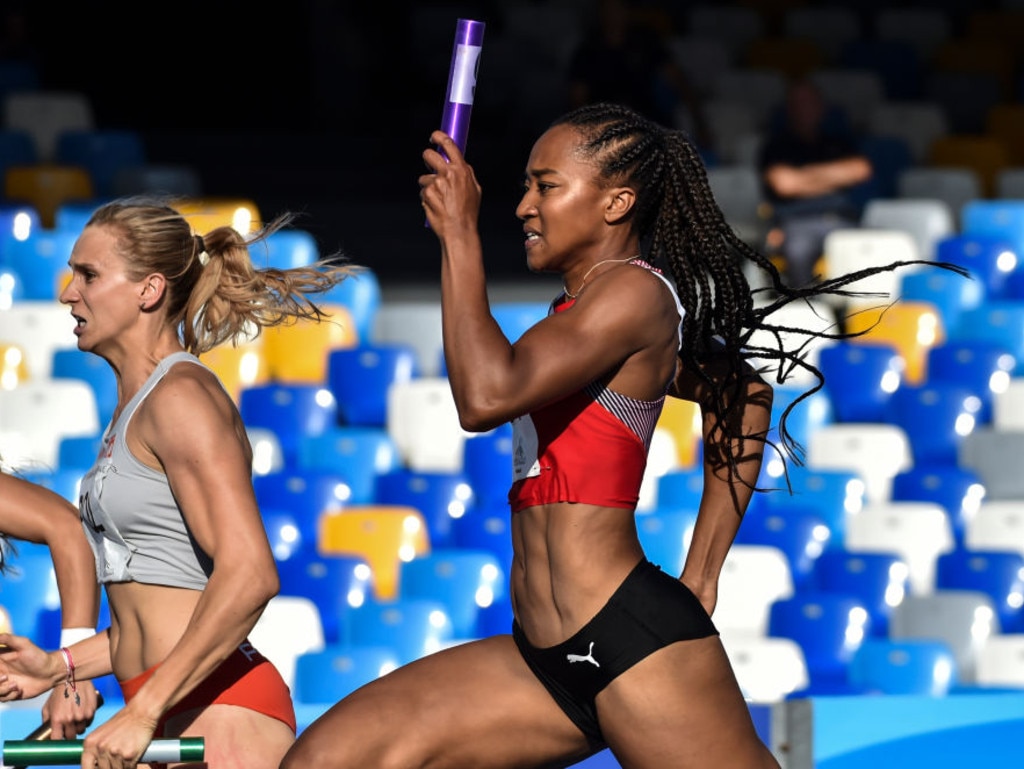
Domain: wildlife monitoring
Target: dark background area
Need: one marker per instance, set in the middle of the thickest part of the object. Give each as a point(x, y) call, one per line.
point(316, 107)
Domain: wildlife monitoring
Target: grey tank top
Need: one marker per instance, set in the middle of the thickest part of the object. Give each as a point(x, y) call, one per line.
point(133, 522)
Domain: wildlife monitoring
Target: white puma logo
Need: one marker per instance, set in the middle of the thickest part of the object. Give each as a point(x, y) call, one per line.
point(581, 658)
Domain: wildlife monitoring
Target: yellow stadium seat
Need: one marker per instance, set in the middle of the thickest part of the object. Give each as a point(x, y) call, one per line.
point(297, 352)
point(205, 214)
point(385, 535)
point(682, 420)
point(13, 366)
point(913, 328)
point(46, 186)
point(239, 366)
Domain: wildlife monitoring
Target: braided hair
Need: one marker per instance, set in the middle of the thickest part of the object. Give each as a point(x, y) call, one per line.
point(683, 231)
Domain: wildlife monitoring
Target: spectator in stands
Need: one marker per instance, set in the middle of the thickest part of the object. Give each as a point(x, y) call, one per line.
point(169, 506)
point(809, 163)
point(35, 514)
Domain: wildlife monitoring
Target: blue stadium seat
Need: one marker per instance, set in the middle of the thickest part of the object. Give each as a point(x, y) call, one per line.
point(665, 536)
point(360, 293)
point(831, 494)
point(982, 367)
point(285, 535)
point(829, 627)
point(336, 583)
point(464, 581)
point(29, 587)
point(860, 379)
point(291, 411)
point(359, 454)
point(879, 579)
point(72, 363)
point(487, 464)
point(71, 216)
point(514, 318)
point(66, 482)
point(958, 489)
point(904, 666)
point(680, 489)
point(793, 528)
point(442, 497)
point(305, 494)
point(993, 224)
point(413, 627)
point(998, 573)
point(949, 292)
point(488, 528)
point(17, 148)
point(935, 417)
point(78, 451)
point(359, 378)
point(999, 322)
point(988, 252)
point(284, 249)
point(326, 676)
point(101, 152)
point(41, 260)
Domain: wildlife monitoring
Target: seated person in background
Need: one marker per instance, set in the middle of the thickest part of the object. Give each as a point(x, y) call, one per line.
point(808, 168)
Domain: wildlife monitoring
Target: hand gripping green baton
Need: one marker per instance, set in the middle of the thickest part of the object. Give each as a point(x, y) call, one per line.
point(69, 752)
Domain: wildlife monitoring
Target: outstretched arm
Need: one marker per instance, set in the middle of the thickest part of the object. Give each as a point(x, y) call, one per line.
point(732, 464)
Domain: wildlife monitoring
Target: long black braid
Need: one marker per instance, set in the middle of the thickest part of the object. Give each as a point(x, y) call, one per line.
point(681, 227)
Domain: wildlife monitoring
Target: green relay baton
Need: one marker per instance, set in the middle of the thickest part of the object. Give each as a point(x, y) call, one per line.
point(69, 752)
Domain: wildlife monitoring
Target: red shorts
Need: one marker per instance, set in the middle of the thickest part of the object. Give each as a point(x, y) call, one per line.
point(246, 678)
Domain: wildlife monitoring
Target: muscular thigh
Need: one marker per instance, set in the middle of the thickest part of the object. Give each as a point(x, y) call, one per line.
point(474, 705)
point(678, 708)
point(234, 737)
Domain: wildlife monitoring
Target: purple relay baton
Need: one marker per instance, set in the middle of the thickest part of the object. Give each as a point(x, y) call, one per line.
point(458, 106)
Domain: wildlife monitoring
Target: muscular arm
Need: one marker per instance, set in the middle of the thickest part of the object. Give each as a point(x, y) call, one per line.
point(192, 429)
point(814, 179)
point(493, 380)
point(728, 486)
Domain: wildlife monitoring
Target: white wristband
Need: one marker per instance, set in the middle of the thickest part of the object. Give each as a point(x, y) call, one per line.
point(72, 635)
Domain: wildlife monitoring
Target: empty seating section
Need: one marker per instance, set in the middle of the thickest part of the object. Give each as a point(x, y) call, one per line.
point(888, 556)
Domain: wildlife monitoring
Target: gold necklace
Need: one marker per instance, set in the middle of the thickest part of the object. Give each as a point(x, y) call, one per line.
point(568, 293)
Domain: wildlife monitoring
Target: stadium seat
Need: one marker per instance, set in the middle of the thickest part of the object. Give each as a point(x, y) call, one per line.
point(916, 531)
point(739, 193)
point(998, 524)
point(927, 220)
point(860, 379)
point(285, 536)
point(918, 122)
point(37, 414)
point(813, 316)
point(41, 261)
point(935, 417)
point(285, 249)
point(78, 451)
point(288, 628)
point(358, 454)
point(984, 368)
point(963, 619)
point(665, 535)
point(1008, 406)
point(762, 89)
point(360, 376)
point(209, 212)
point(441, 497)
point(794, 529)
point(830, 493)
point(850, 249)
point(515, 318)
point(768, 670)
point(293, 411)
point(16, 149)
point(879, 579)
point(326, 676)
point(297, 352)
point(997, 573)
point(988, 254)
point(951, 294)
point(487, 528)
point(415, 323)
point(874, 452)
point(829, 627)
point(487, 465)
point(239, 365)
point(959, 491)
point(993, 454)
point(360, 294)
point(267, 454)
point(72, 363)
point(423, 422)
point(924, 28)
point(966, 98)
point(29, 587)
point(1000, 662)
point(305, 494)
point(913, 328)
point(903, 667)
point(856, 91)
point(733, 25)
point(752, 578)
point(44, 114)
point(952, 186)
point(102, 152)
point(13, 365)
point(45, 186)
point(336, 583)
point(385, 535)
point(463, 581)
point(160, 179)
point(413, 627)
point(895, 62)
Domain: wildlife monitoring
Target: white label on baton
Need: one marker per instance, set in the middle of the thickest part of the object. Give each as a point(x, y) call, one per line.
point(467, 57)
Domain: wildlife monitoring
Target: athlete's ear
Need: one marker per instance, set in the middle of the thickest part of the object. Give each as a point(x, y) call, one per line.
point(620, 203)
point(153, 288)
